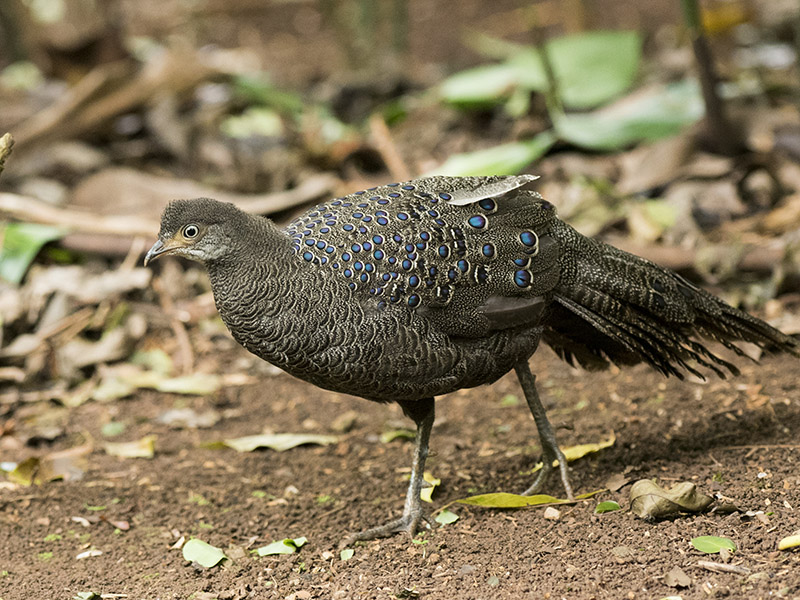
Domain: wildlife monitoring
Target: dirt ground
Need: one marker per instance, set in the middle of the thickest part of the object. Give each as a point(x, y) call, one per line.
point(736, 437)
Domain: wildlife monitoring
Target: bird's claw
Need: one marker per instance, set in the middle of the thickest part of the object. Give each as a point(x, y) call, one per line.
point(409, 523)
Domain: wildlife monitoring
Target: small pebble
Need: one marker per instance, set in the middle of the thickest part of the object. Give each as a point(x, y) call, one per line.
point(551, 513)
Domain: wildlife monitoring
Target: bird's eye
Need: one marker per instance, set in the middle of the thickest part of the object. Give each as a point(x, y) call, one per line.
point(191, 231)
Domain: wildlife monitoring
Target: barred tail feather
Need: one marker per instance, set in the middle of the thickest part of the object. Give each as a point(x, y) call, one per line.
point(614, 307)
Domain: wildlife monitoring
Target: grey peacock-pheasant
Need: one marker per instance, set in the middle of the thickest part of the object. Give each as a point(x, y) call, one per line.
point(411, 290)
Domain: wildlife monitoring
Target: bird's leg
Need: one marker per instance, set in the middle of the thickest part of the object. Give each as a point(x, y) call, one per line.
point(422, 412)
point(550, 449)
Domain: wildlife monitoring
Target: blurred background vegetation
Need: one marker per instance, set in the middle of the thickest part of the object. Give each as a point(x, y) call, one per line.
point(668, 127)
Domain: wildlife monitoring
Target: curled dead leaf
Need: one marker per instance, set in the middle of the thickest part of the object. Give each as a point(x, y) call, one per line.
point(650, 501)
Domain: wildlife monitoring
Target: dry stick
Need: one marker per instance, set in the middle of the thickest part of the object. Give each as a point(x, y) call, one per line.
point(26, 208)
point(185, 351)
point(723, 568)
point(387, 148)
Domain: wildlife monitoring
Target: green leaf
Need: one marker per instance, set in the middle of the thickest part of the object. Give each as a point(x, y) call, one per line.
point(445, 517)
point(607, 506)
point(506, 500)
point(505, 159)
point(202, 553)
point(647, 115)
point(21, 243)
point(278, 441)
point(590, 69)
point(112, 428)
point(286, 546)
point(393, 434)
point(594, 67)
point(488, 84)
point(711, 544)
point(347, 554)
point(254, 121)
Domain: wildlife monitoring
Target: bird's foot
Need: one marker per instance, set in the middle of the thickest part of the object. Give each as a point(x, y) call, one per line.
point(549, 456)
point(410, 523)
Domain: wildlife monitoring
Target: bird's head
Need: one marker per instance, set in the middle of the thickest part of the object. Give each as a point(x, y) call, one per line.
point(201, 229)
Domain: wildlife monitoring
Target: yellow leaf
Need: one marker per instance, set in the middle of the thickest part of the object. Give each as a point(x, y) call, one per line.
point(427, 492)
point(793, 541)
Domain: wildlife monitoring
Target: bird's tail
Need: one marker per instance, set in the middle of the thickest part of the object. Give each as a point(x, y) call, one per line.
point(614, 307)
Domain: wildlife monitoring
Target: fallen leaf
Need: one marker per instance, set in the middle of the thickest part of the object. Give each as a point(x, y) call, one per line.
point(393, 434)
point(506, 500)
point(445, 517)
point(607, 506)
point(677, 578)
point(181, 418)
point(651, 501)
point(285, 546)
point(787, 543)
point(278, 441)
point(347, 554)
point(711, 544)
point(142, 448)
point(202, 553)
point(426, 493)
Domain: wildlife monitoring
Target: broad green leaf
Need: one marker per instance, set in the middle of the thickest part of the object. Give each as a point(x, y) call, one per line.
point(649, 114)
point(21, 243)
point(505, 159)
point(278, 441)
point(142, 448)
point(286, 546)
point(711, 544)
point(607, 506)
point(506, 500)
point(426, 493)
point(202, 553)
point(488, 84)
point(347, 554)
point(792, 541)
point(445, 517)
point(590, 69)
point(651, 501)
point(594, 67)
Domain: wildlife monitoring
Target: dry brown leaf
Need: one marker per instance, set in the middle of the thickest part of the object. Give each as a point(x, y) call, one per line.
point(650, 501)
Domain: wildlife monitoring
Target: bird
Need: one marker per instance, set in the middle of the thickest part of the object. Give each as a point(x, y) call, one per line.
point(408, 291)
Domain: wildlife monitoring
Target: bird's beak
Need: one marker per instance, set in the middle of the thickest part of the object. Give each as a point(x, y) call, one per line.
point(159, 248)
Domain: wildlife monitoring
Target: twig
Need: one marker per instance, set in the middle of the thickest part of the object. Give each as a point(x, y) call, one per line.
point(387, 148)
point(185, 352)
point(723, 568)
point(25, 208)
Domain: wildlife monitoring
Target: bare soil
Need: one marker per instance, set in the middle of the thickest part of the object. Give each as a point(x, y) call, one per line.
point(736, 437)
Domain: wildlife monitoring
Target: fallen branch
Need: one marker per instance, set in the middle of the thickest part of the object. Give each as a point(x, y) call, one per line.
point(116, 232)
